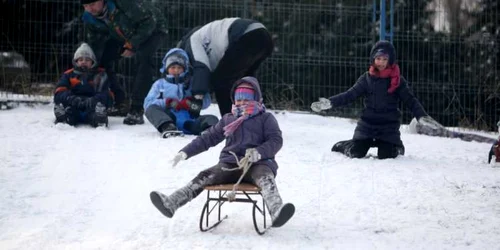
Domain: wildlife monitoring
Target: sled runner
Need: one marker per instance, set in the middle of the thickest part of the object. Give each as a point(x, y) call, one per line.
point(171, 133)
point(217, 196)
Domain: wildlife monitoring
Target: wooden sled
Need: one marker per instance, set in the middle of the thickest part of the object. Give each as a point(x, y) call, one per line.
point(217, 196)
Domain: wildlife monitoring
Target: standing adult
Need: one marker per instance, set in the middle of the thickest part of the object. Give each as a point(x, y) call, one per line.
point(222, 52)
point(133, 29)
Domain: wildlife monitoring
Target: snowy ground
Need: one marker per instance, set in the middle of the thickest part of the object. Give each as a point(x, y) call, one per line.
point(83, 188)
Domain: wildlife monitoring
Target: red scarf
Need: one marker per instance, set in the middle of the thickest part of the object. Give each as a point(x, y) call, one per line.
point(391, 71)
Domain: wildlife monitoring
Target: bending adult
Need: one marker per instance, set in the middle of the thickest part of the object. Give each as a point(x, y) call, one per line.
point(222, 52)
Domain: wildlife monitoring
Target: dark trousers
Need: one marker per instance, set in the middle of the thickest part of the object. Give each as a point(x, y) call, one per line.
point(258, 174)
point(140, 66)
point(158, 116)
point(215, 176)
point(359, 148)
point(242, 58)
point(116, 87)
point(75, 116)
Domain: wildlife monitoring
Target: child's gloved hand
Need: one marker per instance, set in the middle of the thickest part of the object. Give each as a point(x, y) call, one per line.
point(88, 104)
point(184, 104)
point(322, 104)
point(195, 107)
point(179, 157)
point(74, 101)
point(252, 154)
point(171, 103)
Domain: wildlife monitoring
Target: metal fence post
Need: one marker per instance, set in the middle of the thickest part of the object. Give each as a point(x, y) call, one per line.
point(245, 9)
point(382, 20)
point(382, 15)
point(391, 31)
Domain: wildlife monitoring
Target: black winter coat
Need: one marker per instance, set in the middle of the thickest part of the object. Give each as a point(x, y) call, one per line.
point(381, 117)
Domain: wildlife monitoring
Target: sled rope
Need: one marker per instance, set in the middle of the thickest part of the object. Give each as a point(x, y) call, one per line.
point(244, 164)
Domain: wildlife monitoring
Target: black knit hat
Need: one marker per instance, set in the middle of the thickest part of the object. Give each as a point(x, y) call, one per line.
point(87, 1)
point(383, 47)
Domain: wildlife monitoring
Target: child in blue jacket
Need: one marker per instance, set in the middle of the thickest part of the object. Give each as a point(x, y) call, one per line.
point(169, 106)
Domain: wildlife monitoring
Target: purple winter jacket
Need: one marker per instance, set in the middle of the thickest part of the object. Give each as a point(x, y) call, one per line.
point(261, 132)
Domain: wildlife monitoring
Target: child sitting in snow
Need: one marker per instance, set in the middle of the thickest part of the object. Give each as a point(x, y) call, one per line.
point(383, 88)
point(250, 132)
point(82, 94)
point(168, 105)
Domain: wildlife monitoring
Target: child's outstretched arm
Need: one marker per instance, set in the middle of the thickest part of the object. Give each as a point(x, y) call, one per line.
point(210, 137)
point(344, 98)
point(410, 101)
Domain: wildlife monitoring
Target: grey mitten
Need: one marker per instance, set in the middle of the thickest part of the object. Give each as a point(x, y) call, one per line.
point(73, 101)
point(88, 104)
point(179, 157)
point(252, 154)
point(322, 104)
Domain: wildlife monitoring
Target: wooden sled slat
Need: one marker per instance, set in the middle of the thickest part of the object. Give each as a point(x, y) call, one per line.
point(228, 187)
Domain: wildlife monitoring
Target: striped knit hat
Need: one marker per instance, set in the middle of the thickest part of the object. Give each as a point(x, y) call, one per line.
point(244, 91)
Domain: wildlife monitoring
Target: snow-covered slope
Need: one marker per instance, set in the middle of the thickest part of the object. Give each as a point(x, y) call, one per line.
point(83, 188)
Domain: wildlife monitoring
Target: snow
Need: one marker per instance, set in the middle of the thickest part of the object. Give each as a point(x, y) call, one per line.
point(84, 188)
point(8, 97)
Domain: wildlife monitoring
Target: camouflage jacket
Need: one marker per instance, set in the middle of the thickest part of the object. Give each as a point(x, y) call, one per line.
point(129, 21)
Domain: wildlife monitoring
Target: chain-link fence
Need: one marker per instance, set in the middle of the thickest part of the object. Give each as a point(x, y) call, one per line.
point(447, 49)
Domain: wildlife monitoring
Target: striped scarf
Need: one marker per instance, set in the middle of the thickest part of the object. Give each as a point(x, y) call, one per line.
point(243, 112)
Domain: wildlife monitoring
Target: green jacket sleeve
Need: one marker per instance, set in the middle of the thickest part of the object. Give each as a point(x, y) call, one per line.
point(144, 16)
point(95, 37)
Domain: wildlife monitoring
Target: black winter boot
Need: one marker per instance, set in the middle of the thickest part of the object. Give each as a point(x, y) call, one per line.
point(60, 113)
point(120, 109)
point(135, 116)
point(343, 146)
point(168, 129)
point(72, 116)
point(100, 115)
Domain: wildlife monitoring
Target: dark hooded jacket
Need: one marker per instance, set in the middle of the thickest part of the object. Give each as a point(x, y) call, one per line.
point(381, 117)
point(129, 21)
point(260, 131)
point(89, 83)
